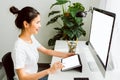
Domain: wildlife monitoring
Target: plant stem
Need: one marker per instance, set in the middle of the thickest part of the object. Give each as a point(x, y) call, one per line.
point(63, 9)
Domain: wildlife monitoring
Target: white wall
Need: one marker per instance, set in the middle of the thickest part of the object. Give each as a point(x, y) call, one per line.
point(9, 33)
point(114, 6)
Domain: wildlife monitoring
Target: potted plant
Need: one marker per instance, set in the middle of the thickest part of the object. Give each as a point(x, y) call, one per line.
point(71, 26)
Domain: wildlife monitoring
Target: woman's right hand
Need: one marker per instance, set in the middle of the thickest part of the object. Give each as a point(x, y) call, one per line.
point(56, 66)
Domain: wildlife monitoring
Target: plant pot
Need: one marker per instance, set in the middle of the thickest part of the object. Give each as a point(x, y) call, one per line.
point(72, 46)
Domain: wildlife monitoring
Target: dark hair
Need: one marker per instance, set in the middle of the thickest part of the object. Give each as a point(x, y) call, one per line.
point(25, 14)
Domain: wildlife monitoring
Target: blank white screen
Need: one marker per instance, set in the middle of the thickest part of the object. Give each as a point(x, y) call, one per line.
point(100, 34)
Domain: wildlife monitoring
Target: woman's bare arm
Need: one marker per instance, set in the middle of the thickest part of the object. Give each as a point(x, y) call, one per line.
point(54, 53)
point(35, 76)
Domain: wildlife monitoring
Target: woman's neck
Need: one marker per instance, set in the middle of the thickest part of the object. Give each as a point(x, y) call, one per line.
point(26, 37)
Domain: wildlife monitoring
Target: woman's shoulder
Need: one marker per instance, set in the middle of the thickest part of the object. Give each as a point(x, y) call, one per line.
point(19, 43)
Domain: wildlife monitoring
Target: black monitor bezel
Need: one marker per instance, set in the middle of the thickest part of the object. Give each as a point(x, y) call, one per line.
point(109, 14)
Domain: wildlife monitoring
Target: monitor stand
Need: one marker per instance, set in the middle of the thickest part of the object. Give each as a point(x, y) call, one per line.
point(92, 66)
point(110, 65)
point(95, 66)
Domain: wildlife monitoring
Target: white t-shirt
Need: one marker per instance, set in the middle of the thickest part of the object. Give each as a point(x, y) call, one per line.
point(26, 55)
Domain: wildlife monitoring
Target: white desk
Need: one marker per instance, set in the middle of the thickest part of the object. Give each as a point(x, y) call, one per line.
point(86, 57)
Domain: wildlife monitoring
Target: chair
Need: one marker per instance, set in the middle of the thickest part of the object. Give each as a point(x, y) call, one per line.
point(8, 66)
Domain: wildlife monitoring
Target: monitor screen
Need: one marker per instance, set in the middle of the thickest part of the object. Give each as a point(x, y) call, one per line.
point(102, 24)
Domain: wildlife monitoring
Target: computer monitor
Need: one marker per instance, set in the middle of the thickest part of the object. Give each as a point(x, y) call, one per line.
point(101, 31)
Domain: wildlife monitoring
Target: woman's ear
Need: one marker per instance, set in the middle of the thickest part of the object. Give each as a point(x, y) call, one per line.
point(26, 24)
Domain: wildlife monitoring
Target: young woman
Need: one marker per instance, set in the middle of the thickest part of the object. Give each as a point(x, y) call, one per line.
point(25, 53)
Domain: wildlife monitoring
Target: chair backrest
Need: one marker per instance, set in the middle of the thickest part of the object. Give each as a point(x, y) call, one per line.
point(8, 65)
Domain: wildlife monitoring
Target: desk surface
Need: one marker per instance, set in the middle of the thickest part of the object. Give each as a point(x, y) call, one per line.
point(86, 57)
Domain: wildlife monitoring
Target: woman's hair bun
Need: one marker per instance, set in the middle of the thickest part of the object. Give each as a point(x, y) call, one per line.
point(14, 10)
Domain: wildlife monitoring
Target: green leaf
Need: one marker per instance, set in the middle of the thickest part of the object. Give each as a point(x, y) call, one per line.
point(79, 21)
point(58, 36)
point(73, 11)
point(78, 6)
point(60, 2)
point(67, 21)
point(82, 31)
point(57, 29)
point(51, 42)
point(69, 33)
point(53, 12)
point(53, 20)
point(75, 7)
